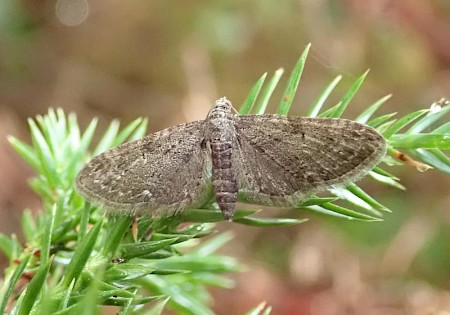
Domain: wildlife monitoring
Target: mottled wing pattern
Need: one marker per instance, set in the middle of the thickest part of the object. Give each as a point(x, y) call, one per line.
point(282, 160)
point(163, 173)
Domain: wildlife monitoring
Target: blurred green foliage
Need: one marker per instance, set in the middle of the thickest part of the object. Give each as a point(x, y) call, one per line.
point(79, 258)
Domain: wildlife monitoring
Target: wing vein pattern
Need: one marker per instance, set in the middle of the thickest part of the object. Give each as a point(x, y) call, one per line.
point(282, 160)
point(164, 172)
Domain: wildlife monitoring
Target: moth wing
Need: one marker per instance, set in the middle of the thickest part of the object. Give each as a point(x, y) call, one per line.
point(163, 173)
point(283, 160)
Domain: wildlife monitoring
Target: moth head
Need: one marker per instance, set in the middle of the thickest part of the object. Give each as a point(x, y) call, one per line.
point(222, 105)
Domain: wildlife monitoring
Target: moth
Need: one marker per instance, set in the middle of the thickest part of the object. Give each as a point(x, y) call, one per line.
point(274, 160)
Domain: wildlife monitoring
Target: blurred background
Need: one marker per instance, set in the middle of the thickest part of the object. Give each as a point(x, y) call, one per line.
point(169, 60)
